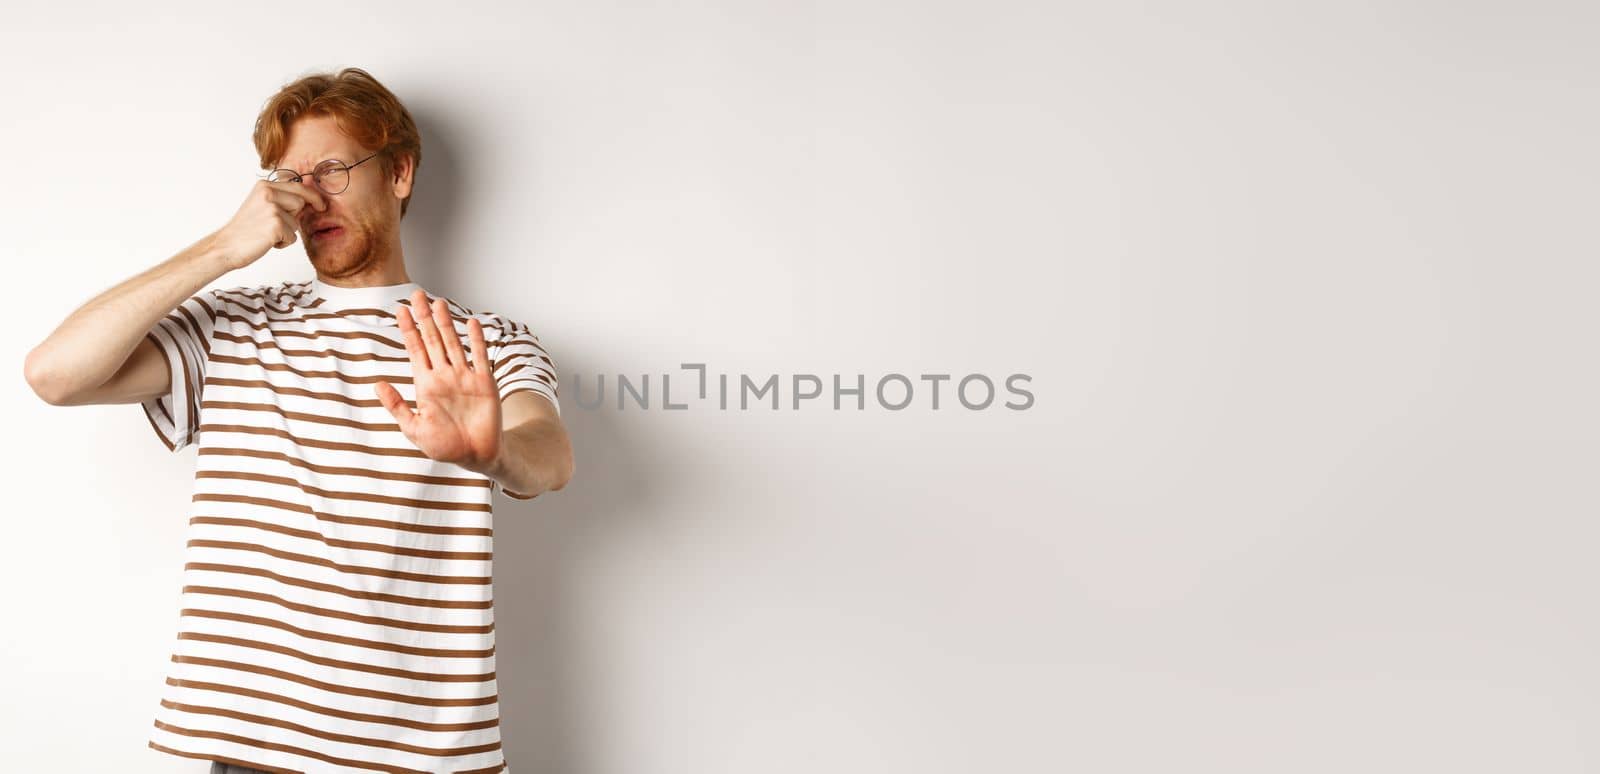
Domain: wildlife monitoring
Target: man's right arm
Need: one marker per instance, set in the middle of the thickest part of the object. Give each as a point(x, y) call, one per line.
point(100, 353)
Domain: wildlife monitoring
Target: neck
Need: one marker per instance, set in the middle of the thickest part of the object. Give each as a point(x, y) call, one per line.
point(385, 296)
point(369, 274)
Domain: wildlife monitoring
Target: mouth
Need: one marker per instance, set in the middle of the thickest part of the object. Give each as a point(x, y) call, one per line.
point(327, 233)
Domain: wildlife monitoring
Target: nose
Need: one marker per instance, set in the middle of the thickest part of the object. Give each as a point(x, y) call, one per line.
point(310, 182)
point(311, 203)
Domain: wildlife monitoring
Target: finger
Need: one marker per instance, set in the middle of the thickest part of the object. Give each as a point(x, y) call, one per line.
point(315, 196)
point(430, 334)
point(452, 341)
point(397, 406)
point(286, 200)
point(480, 350)
point(291, 228)
point(414, 346)
point(284, 233)
point(293, 196)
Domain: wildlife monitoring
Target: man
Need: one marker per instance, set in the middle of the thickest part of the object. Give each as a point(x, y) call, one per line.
point(337, 607)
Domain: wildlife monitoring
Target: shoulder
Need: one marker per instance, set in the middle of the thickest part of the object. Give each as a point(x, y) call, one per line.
point(256, 297)
point(497, 327)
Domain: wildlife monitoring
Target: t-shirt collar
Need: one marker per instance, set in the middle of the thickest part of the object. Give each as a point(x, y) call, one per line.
point(384, 297)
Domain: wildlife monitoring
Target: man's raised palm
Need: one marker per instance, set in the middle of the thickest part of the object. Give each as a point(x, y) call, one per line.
point(457, 418)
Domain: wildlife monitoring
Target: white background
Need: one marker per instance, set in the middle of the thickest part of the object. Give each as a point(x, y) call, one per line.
point(1306, 291)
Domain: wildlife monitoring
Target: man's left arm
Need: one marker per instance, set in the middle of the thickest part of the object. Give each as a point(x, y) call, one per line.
point(455, 417)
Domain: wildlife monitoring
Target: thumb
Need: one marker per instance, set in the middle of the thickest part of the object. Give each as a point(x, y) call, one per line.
point(391, 400)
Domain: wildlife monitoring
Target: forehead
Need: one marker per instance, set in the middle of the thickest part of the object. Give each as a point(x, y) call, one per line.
point(312, 140)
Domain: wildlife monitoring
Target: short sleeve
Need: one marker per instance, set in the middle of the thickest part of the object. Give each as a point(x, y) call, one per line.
point(521, 364)
point(183, 337)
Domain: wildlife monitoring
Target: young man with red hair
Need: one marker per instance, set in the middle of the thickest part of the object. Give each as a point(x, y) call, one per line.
point(337, 607)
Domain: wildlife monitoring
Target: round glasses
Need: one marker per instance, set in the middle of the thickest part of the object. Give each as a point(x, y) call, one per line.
point(332, 176)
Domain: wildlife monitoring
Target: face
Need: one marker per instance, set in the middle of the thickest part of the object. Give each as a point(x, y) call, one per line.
point(367, 212)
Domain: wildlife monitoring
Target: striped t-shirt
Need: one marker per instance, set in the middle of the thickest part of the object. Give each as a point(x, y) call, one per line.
point(337, 605)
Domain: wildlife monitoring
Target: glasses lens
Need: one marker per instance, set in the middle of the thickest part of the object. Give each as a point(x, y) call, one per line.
point(332, 177)
point(282, 176)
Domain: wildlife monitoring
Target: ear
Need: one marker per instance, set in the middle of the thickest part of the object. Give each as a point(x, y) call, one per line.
point(403, 177)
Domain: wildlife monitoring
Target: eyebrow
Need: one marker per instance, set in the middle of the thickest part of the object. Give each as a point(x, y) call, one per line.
point(334, 157)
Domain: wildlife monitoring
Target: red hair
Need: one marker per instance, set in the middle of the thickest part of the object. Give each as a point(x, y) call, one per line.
point(363, 109)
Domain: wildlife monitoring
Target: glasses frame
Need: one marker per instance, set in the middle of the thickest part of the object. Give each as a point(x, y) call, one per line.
point(298, 177)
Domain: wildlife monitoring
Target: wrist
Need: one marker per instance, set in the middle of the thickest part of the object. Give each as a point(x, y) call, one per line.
point(210, 255)
point(495, 466)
